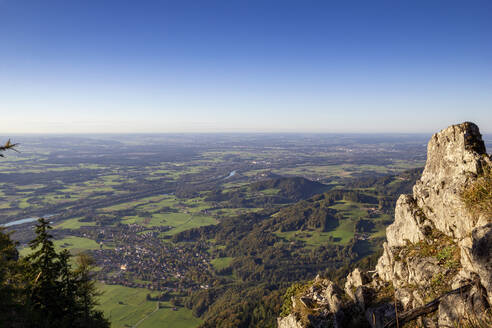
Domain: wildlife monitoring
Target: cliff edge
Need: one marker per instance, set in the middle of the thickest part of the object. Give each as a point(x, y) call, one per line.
point(436, 267)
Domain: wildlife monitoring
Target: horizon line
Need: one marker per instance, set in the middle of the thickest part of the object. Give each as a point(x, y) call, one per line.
point(210, 133)
point(220, 133)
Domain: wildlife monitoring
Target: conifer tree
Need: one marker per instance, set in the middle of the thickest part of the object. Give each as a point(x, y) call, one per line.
point(68, 285)
point(58, 295)
point(44, 268)
point(11, 291)
point(87, 293)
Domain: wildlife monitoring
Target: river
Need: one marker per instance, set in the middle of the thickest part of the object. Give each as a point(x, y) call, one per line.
point(21, 221)
point(233, 173)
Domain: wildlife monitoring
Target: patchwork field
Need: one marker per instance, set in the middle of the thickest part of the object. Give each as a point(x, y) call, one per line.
point(127, 307)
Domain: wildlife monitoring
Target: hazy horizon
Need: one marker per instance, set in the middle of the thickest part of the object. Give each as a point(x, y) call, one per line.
point(232, 133)
point(244, 66)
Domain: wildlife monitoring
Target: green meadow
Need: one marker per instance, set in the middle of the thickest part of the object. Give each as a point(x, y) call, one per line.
point(74, 244)
point(125, 307)
point(221, 262)
point(74, 224)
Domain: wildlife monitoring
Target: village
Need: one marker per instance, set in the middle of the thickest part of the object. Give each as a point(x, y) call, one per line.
point(136, 256)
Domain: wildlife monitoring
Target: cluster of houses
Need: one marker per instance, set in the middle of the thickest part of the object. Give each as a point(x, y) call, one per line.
point(137, 256)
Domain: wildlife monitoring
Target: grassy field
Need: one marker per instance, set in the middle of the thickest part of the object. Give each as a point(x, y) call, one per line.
point(74, 244)
point(179, 221)
point(167, 317)
point(134, 203)
point(73, 224)
point(344, 232)
point(221, 262)
point(193, 221)
point(126, 306)
point(350, 209)
point(270, 191)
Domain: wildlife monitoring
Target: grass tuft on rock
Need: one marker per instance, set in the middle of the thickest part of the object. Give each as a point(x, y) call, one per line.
point(294, 290)
point(478, 195)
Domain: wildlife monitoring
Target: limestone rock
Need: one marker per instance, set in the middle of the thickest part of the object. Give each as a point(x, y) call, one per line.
point(454, 308)
point(421, 270)
point(405, 296)
point(289, 321)
point(355, 279)
point(326, 294)
point(400, 273)
point(406, 226)
point(455, 156)
point(384, 267)
point(320, 306)
point(482, 256)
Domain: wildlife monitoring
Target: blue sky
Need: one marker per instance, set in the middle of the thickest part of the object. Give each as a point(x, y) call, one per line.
point(244, 66)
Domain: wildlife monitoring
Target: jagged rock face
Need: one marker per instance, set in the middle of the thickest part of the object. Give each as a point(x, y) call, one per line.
point(323, 297)
point(408, 217)
point(355, 279)
point(435, 244)
point(455, 156)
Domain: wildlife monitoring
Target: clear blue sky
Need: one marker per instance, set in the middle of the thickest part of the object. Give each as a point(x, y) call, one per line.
point(317, 66)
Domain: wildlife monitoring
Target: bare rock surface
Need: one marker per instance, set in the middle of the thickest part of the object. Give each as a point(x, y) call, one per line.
point(355, 279)
point(455, 156)
point(406, 225)
point(453, 309)
point(289, 321)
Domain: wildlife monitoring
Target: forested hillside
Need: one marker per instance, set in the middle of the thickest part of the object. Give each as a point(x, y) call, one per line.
point(264, 252)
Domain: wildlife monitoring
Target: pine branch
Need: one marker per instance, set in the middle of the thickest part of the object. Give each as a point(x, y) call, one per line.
point(8, 146)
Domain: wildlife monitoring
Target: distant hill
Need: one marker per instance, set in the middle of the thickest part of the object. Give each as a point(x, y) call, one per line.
point(269, 192)
point(294, 188)
point(305, 215)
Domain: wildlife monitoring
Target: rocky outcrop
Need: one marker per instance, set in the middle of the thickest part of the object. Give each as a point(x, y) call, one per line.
point(434, 218)
point(455, 156)
point(355, 280)
point(408, 223)
point(318, 306)
point(289, 321)
point(435, 247)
